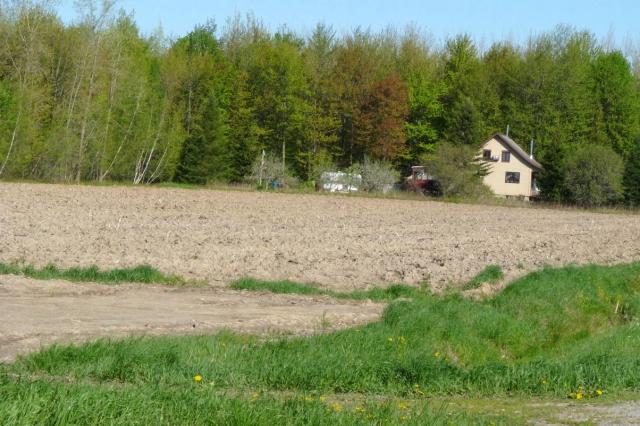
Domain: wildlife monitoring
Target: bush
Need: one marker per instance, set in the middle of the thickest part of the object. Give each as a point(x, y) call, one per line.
point(378, 175)
point(268, 172)
point(458, 171)
point(593, 176)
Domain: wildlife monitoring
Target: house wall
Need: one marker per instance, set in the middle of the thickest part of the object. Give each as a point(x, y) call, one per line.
point(497, 171)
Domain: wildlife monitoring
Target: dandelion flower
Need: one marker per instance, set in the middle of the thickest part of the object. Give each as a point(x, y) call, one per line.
point(402, 406)
point(322, 398)
point(599, 392)
point(308, 398)
point(579, 395)
point(337, 407)
point(437, 354)
point(197, 378)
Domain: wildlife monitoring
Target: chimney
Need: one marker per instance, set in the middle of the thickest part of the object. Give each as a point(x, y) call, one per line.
point(508, 130)
point(531, 150)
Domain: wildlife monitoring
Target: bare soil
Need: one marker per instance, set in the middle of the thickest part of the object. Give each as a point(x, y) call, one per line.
point(338, 242)
point(37, 313)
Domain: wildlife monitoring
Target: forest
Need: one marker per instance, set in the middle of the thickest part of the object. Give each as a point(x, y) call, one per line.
point(97, 100)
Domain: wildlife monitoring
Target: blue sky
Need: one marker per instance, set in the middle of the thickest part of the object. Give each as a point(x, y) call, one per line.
point(485, 20)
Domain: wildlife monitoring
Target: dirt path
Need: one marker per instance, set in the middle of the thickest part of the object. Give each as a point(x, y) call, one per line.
point(36, 313)
point(339, 242)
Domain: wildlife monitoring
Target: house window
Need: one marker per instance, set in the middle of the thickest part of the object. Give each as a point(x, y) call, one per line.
point(486, 154)
point(512, 177)
point(506, 156)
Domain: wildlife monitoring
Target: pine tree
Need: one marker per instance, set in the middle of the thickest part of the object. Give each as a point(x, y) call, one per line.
point(242, 146)
point(632, 175)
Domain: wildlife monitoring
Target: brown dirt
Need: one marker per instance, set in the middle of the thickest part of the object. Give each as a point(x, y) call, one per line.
point(336, 241)
point(36, 313)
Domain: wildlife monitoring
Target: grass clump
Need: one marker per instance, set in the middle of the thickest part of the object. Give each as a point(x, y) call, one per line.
point(490, 274)
point(138, 274)
point(393, 292)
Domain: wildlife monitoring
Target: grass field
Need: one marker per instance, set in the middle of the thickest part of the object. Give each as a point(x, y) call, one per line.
point(557, 333)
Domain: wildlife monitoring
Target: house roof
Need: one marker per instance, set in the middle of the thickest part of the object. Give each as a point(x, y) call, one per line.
point(519, 152)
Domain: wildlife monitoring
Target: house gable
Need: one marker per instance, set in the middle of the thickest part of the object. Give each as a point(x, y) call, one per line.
point(510, 169)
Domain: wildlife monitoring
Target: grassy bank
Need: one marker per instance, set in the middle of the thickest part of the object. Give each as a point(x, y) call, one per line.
point(138, 274)
point(568, 332)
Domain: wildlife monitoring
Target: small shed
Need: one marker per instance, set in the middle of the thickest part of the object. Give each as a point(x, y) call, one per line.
point(511, 171)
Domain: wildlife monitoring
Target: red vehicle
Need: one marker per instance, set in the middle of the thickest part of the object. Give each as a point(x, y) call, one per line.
point(420, 181)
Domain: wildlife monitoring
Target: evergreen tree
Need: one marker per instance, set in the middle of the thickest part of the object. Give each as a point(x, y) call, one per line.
point(632, 175)
point(242, 145)
point(462, 123)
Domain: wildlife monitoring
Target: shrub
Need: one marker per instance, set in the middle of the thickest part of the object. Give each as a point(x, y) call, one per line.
point(268, 171)
point(593, 176)
point(458, 170)
point(378, 175)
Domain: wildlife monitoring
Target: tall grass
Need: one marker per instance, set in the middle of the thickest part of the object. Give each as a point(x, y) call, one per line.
point(548, 333)
point(138, 274)
point(24, 402)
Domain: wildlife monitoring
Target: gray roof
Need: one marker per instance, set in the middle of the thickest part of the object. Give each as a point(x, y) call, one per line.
point(519, 152)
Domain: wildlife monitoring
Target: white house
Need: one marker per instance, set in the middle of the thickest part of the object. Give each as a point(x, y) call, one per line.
point(511, 171)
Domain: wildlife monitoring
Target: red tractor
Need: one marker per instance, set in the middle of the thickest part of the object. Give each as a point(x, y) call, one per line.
point(420, 181)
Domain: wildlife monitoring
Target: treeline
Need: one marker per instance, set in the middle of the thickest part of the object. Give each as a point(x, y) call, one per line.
point(96, 100)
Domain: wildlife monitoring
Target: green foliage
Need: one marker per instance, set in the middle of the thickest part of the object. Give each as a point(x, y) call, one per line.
point(139, 274)
point(632, 175)
point(593, 176)
point(458, 170)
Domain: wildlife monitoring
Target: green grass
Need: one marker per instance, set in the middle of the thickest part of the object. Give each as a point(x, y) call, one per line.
point(549, 334)
point(139, 274)
point(288, 287)
point(491, 274)
point(24, 401)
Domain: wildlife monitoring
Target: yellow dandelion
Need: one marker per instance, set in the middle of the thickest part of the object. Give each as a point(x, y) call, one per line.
point(579, 395)
point(599, 392)
point(337, 407)
point(308, 398)
point(436, 354)
point(322, 398)
point(255, 396)
point(402, 406)
point(197, 378)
